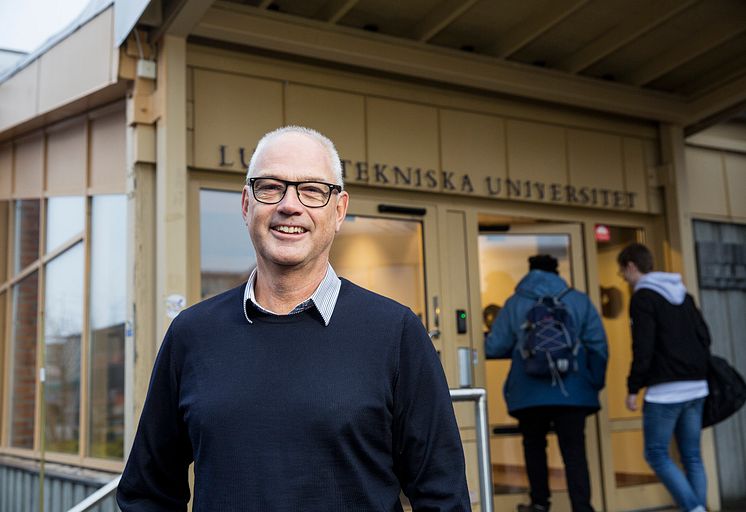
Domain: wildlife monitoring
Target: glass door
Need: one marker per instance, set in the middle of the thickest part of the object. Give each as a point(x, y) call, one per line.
point(504, 250)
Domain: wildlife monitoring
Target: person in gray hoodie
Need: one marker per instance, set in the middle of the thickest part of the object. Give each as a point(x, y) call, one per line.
point(670, 350)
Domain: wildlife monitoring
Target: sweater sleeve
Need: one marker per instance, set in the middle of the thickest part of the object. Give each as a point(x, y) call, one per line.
point(428, 455)
point(155, 478)
point(642, 317)
point(593, 337)
point(500, 341)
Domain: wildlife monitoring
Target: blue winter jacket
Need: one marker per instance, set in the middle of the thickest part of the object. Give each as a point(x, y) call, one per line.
point(504, 341)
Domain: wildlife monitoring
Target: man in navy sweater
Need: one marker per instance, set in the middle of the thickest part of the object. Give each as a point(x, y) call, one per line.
point(298, 391)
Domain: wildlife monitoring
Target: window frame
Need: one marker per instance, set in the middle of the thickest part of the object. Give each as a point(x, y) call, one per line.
point(82, 458)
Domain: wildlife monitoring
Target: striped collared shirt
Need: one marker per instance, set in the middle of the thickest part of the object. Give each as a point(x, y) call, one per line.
point(324, 298)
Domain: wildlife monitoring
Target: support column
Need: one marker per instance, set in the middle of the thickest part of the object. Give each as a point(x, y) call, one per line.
point(171, 182)
point(140, 335)
point(681, 258)
point(680, 250)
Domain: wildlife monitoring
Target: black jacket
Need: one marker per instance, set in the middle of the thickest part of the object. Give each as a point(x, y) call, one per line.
point(669, 342)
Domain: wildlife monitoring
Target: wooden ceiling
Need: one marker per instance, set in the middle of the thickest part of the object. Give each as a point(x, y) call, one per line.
point(684, 49)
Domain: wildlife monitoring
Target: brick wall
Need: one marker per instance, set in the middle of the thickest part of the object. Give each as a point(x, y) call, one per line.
point(23, 362)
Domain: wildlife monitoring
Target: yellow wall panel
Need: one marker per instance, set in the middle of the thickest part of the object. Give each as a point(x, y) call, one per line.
point(233, 111)
point(706, 181)
point(79, 64)
point(735, 174)
point(29, 167)
point(595, 159)
point(403, 135)
point(18, 96)
point(67, 160)
point(635, 173)
point(6, 171)
point(473, 144)
point(536, 152)
point(338, 115)
point(108, 153)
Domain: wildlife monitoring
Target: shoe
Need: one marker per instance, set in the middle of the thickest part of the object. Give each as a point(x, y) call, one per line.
point(532, 508)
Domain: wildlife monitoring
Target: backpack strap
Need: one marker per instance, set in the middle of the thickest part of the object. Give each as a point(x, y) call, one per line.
point(564, 292)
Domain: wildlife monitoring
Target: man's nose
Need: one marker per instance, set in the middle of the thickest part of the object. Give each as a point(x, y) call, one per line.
point(290, 203)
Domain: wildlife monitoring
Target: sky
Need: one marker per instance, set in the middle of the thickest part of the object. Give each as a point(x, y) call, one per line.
point(26, 24)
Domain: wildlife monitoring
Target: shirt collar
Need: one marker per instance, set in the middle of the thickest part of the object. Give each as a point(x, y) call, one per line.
point(323, 299)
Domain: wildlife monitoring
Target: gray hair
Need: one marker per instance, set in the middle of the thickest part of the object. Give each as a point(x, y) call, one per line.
point(332, 155)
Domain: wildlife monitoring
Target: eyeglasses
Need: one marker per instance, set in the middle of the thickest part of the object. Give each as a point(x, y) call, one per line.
point(312, 194)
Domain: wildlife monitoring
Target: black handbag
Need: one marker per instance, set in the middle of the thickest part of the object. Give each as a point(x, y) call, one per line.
point(727, 391)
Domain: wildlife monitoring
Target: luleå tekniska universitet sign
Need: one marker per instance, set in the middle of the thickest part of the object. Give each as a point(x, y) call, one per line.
point(387, 175)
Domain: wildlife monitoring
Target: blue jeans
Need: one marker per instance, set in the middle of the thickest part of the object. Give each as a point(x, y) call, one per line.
point(684, 420)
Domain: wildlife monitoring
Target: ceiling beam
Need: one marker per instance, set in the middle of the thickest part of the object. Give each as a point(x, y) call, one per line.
point(729, 98)
point(379, 53)
point(536, 25)
point(714, 78)
point(183, 17)
point(692, 46)
point(440, 17)
point(334, 10)
point(632, 27)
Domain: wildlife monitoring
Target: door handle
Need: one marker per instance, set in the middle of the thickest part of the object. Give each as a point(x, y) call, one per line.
point(434, 333)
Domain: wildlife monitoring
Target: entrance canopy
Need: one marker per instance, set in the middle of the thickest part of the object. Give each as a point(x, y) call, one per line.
point(681, 61)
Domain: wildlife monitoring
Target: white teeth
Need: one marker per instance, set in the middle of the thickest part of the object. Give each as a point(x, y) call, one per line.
point(290, 229)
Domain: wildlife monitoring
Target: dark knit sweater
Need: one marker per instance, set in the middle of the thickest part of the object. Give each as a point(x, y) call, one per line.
point(670, 342)
point(287, 414)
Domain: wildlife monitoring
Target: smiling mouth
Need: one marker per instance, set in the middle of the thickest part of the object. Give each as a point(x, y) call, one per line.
point(292, 230)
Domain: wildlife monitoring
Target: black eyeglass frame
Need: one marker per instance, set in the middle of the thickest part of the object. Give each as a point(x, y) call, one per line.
point(287, 183)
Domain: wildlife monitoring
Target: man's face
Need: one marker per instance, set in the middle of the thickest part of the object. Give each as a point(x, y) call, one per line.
point(628, 272)
point(289, 234)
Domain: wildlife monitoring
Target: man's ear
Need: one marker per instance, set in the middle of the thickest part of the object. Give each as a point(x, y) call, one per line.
point(341, 208)
point(245, 204)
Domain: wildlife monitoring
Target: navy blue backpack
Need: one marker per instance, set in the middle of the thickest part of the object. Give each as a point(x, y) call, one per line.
point(550, 342)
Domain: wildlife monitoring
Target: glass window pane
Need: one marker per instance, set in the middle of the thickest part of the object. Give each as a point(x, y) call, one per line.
point(107, 317)
point(503, 261)
point(26, 236)
point(226, 253)
point(65, 219)
point(383, 255)
point(615, 297)
point(63, 318)
point(23, 362)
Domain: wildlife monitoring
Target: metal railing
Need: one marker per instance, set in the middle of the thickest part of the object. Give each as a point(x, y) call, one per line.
point(476, 395)
point(97, 497)
point(479, 397)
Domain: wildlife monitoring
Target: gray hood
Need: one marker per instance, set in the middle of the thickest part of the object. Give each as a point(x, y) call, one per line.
point(664, 283)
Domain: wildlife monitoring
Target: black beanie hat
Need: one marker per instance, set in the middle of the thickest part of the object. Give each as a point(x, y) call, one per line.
point(543, 262)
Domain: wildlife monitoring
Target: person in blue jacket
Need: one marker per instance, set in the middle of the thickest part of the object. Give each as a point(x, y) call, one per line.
point(542, 403)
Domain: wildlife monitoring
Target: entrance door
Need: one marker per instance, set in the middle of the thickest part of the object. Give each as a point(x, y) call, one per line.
point(503, 261)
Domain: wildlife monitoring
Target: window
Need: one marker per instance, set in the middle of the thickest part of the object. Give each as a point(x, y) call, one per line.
point(107, 327)
point(226, 254)
point(66, 319)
